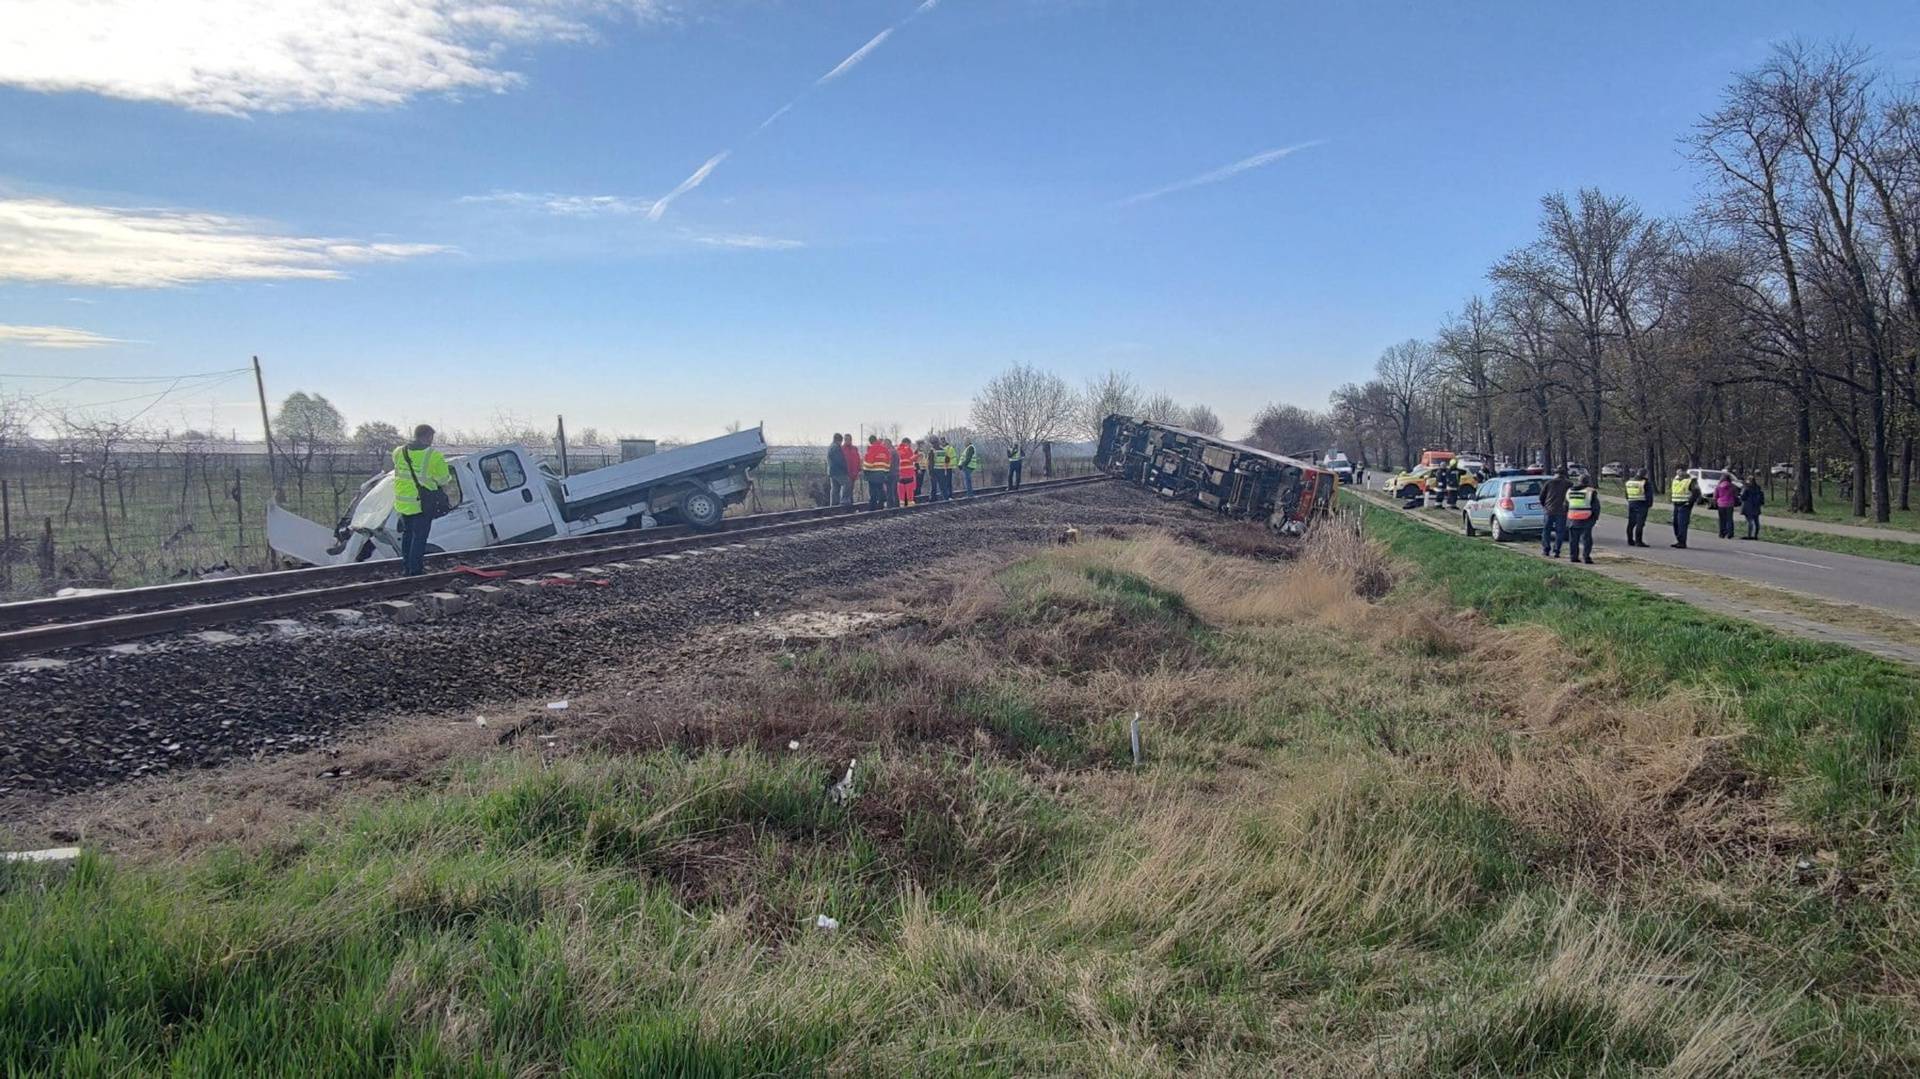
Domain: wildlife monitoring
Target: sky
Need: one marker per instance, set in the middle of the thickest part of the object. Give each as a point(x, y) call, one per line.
point(658, 217)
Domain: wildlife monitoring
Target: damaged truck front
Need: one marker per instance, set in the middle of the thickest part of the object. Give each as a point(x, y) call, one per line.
point(506, 494)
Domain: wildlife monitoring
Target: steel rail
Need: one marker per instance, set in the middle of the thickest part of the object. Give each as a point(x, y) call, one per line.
point(22, 613)
point(117, 628)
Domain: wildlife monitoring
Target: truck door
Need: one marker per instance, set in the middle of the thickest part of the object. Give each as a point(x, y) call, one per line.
point(517, 510)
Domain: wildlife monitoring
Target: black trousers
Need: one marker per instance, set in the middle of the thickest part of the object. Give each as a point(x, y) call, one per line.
point(1726, 521)
point(876, 490)
point(1682, 516)
point(1013, 475)
point(1580, 539)
point(1637, 521)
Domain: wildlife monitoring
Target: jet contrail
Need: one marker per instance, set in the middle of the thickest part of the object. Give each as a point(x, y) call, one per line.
point(1227, 172)
point(699, 177)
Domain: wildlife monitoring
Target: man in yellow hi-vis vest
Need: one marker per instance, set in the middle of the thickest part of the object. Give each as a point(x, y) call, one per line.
point(420, 479)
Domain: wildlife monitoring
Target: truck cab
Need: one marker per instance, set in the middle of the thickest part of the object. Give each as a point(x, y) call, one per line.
point(506, 494)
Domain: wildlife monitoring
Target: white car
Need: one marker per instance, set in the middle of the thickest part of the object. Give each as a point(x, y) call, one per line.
point(1613, 469)
point(1711, 478)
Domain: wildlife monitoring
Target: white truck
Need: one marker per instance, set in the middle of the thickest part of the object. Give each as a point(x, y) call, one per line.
point(507, 495)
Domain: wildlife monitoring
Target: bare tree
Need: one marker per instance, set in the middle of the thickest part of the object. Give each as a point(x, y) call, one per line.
point(1204, 420)
point(1113, 393)
point(1024, 406)
point(1405, 370)
point(308, 424)
point(376, 437)
point(1161, 408)
point(1291, 429)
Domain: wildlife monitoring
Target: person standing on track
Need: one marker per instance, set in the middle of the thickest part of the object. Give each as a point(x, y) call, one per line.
point(1013, 467)
point(420, 474)
point(874, 469)
point(1751, 499)
point(836, 473)
point(945, 471)
point(893, 473)
point(1553, 502)
point(969, 464)
point(1639, 501)
point(1726, 499)
point(908, 472)
point(1583, 512)
point(852, 453)
point(1682, 492)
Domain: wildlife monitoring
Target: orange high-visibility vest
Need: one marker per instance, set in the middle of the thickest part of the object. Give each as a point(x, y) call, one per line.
point(906, 459)
point(876, 458)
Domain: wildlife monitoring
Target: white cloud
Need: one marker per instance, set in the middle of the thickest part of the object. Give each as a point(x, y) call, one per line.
point(566, 205)
point(240, 56)
point(746, 241)
point(54, 337)
point(1226, 172)
point(858, 55)
point(49, 241)
point(699, 177)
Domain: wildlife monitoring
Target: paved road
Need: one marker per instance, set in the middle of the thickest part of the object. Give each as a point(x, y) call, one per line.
point(1801, 524)
point(1838, 578)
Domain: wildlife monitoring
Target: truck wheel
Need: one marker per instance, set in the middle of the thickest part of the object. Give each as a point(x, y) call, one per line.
point(1467, 520)
point(702, 508)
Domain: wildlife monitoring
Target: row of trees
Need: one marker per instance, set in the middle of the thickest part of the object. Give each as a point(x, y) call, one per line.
point(1026, 406)
point(1778, 321)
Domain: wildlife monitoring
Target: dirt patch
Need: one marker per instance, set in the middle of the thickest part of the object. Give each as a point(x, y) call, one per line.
point(813, 627)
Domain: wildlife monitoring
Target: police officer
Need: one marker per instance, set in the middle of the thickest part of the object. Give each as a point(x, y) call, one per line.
point(1013, 467)
point(969, 464)
point(418, 469)
point(1682, 492)
point(1639, 501)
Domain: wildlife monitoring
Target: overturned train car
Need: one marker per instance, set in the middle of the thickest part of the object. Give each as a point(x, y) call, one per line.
point(1227, 477)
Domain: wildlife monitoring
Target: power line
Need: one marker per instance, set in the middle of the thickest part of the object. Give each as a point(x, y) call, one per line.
point(132, 378)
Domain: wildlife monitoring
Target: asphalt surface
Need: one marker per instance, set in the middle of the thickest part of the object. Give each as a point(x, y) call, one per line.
point(1838, 578)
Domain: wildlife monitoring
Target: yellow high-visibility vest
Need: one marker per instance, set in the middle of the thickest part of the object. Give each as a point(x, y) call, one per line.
point(1682, 490)
point(429, 464)
point(1636, 490)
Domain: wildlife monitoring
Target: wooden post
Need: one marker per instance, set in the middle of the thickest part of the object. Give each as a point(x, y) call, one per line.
point(6, 529)
point(560, 432)
point(46, 550)
point(266, 428)
point(239, 521)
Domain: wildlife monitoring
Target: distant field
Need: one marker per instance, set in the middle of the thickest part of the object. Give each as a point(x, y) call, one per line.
point(154, 518)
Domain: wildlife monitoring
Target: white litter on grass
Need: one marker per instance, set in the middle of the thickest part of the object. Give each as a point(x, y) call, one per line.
point(843, 790)
point(793, 743)
point(479, 721)
point(824, 922)
point(557, 706)
point(52, 854)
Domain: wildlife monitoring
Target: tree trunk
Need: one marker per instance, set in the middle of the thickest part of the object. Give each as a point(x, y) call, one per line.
point(1802, 500)
point(1906, 473)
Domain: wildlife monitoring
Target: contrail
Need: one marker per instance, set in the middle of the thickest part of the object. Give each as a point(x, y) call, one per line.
point(699, 177)
point(1264, 157)
point(859, 54)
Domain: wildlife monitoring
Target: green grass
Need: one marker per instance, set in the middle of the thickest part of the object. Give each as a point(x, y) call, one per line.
point(1305, 876)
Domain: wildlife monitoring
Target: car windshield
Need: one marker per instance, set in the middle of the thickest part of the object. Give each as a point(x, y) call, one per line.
point(1524, 489)
point(1708, 474)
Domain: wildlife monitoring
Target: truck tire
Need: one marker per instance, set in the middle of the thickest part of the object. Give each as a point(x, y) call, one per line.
point(702, 509)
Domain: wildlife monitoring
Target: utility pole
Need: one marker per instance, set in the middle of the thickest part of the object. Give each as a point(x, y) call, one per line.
point(266, 427)
point(560, 429)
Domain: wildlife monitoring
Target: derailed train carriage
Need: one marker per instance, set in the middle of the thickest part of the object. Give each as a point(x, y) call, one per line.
point(1231, 478)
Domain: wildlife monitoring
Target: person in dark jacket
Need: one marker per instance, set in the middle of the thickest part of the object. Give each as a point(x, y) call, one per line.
point(1553, 503)
point(837, 489)
point(1751, 499)
point(1683, 492)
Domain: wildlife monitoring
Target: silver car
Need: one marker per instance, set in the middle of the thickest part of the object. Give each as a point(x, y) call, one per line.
point(1505, 506)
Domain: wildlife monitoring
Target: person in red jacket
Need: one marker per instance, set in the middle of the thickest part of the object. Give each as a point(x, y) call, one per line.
point(874, 470)
point(852, 453)
point(908, 472)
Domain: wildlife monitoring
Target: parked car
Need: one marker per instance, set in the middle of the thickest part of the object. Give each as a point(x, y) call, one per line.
point(1710, 478)
point(1472, 469)
point(1412, 482)
point(1613, 469)
point(1505, 506)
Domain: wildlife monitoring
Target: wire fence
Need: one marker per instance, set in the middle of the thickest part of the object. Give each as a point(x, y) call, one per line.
point(153, 516)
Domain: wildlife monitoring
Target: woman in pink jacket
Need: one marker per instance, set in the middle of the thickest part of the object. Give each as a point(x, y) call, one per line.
point(1726, 499)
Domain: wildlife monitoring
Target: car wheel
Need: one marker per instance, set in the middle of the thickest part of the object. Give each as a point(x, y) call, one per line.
point(702, 508)
point(1499, 534)
point(1466, 519)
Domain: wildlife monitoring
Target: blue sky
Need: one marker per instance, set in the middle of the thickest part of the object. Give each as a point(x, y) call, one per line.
point(446, 209)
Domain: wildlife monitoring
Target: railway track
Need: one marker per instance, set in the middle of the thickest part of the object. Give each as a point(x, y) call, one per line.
point(40, 627)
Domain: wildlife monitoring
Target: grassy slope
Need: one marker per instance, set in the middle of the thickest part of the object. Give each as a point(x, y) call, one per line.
point(1325, 864)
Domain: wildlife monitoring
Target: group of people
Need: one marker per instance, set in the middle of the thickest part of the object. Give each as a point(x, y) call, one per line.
point(1572, 508)
point(905, 475)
